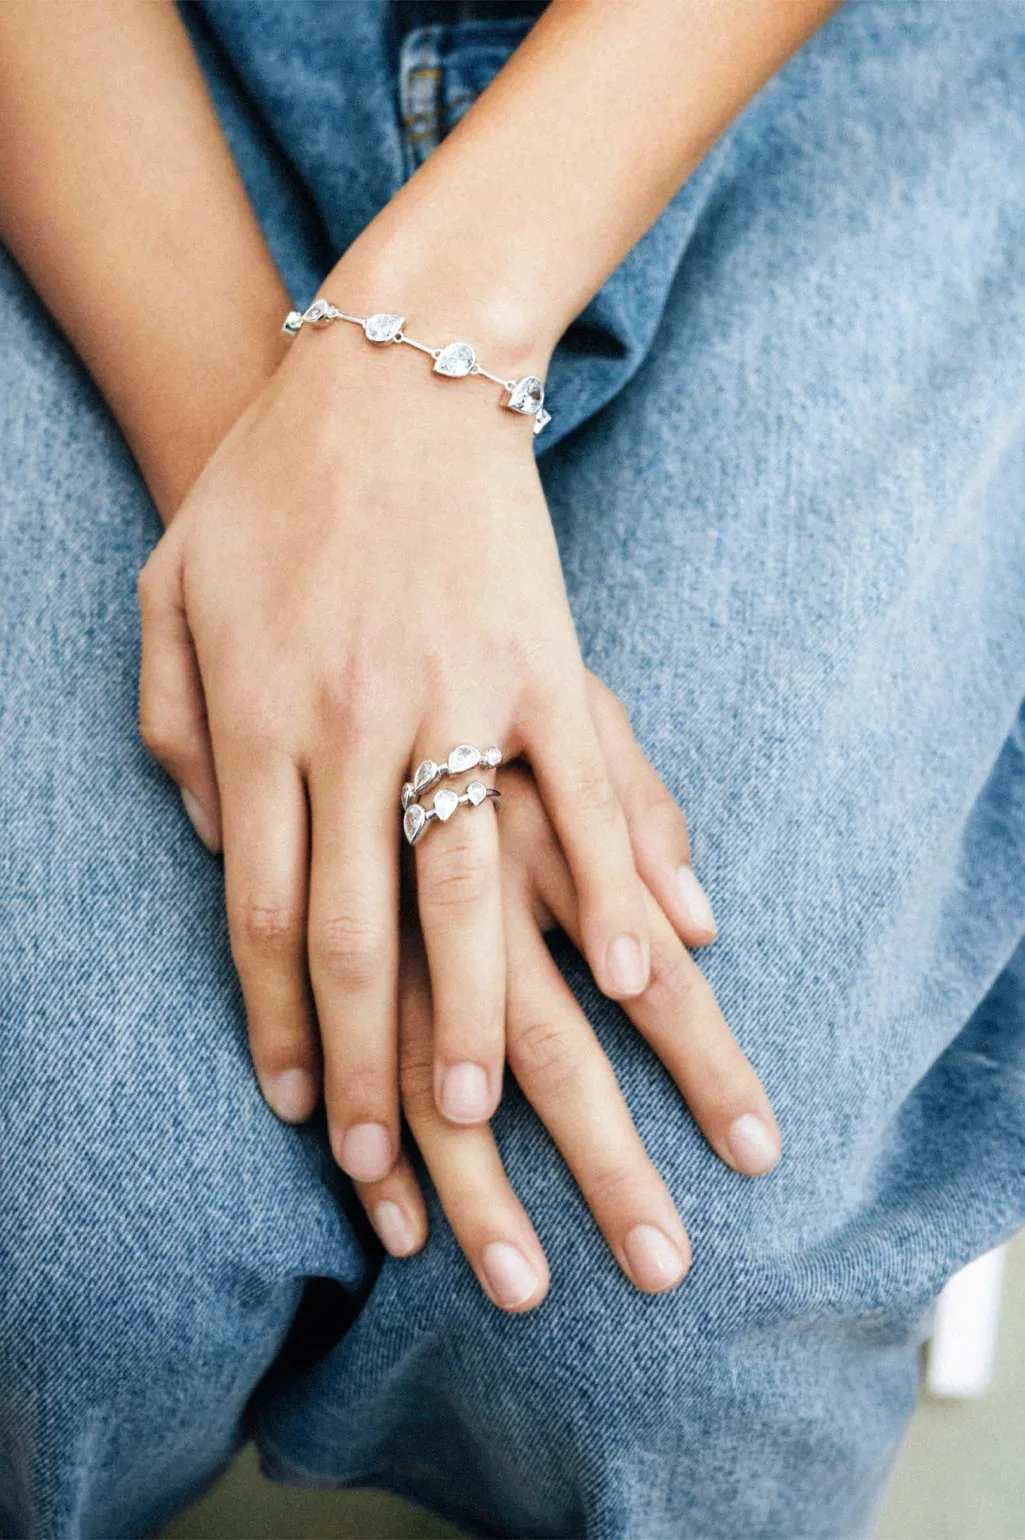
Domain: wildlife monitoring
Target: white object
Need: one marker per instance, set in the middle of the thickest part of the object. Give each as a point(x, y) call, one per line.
point(964, 1335)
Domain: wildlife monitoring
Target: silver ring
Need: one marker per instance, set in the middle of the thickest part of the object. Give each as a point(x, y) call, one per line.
point(416, 818)
point(462, 758)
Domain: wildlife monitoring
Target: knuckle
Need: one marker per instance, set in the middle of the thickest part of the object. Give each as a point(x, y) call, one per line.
point(542, 1052)
point(595, 797)
point(416, 1086)
point(350, 947)
point(672, 971)
point(264, 927)
point(455, 875)
point(659, 808)
point(158, 730)
point(613, 1185)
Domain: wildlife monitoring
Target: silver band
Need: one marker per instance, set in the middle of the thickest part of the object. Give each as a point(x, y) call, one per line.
point(462, 758)
point(454, 360)
point(416, 818)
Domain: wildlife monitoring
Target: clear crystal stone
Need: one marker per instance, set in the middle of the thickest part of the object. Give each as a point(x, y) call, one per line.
point(293, 322)
point(317, 311)
point(541, 419)
point(455, 360)
point(491, 757)
point(463, 757)
point(407, 795)
point(476, 791)
point(445, 804)
point(383, 326)
point(426, 773)
point(413, 821)
point(527, 395)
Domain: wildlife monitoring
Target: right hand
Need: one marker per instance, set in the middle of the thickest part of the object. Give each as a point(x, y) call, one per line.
point(362, 576)
point(561, 1068)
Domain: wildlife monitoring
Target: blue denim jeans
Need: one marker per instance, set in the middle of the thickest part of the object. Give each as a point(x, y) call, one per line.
point(787, 474)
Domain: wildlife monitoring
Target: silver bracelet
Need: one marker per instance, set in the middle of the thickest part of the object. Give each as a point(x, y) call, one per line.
point(455, 360)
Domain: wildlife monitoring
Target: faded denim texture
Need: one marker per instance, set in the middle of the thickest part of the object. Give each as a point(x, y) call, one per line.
point(787, 472)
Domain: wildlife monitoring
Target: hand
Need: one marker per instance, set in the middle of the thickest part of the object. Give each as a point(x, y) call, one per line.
point(364, 575)
point(560, 1065)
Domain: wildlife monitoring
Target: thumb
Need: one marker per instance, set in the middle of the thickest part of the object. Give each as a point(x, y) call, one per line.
point(172, 710)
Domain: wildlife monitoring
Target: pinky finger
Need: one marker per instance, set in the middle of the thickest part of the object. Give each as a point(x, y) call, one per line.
point(396, 1209)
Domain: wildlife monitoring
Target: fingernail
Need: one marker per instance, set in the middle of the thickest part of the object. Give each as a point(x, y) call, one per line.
point(695, 900)
point(628, 965)
point(393, 1227)
point(753, 1145)
point(292, 1095)
point(200, 822)
point(465, 1097)
point(655, 1263)
point(366, 1152)
point(511, 1278)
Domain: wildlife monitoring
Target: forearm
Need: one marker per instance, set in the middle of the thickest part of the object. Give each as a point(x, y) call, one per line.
point(568, 157)
point(121, 201)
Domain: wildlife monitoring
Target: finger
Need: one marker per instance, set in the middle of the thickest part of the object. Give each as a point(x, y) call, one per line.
point(395, 1208)
point(568, 1080)
point(679, 1016)
point(353, 954)
point(172, 710)
point(574, 783)
point(658, 829)
point(458, 878)
point(487, 1218)
point(265, 857)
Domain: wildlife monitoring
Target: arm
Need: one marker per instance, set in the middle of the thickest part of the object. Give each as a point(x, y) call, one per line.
point(313, 678)
point(121, 201)
point(596, 121)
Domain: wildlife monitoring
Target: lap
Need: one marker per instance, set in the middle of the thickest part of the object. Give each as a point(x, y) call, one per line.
point(793, 542)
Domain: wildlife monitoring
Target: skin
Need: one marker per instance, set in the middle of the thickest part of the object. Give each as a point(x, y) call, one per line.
point(317, 612)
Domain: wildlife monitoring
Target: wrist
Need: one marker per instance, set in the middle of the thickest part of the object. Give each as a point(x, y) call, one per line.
point(444, 300)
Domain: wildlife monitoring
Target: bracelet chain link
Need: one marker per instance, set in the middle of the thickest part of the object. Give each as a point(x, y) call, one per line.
point(455, 360)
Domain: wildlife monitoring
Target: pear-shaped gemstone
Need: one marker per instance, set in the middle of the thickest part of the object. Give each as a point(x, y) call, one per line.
point(383, 326)
point(527, 395)
point(426, 774)
point(455, 360)
point(476, 791)
point(413, 821)
point(463, 757)
point(445, 804)
point(541, 420)
point(407, 795)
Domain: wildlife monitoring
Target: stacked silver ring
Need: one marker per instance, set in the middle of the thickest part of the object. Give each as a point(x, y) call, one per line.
point(429, 772)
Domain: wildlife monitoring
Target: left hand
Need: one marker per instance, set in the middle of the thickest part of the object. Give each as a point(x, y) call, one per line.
point(561, 1066)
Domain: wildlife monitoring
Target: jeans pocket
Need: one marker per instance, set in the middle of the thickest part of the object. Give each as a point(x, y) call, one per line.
point(443, 68)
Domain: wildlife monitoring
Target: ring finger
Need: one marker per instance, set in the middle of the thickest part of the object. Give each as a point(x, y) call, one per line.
point(460, 904)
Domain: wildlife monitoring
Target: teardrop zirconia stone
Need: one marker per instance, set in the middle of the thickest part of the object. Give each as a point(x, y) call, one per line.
point(407, 795)
point(426, 774)
point(527, 395)
point(316, 312)
point(476, 791)
point(413, 821)
point(445, 804)
point(383, 326)
point(463, 757)
point(455, 360)
point(541, 420)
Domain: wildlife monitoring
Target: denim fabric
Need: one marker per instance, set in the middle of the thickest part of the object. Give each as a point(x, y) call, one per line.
point(787, 473)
